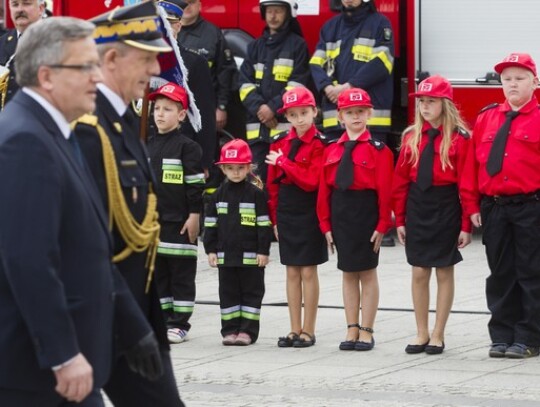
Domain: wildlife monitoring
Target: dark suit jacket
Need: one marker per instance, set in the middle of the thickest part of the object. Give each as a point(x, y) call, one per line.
point(135, 177)
point(8, 45)
point(56, 278)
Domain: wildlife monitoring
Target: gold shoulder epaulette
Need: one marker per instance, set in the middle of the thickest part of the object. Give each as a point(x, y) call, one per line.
point(89, 119)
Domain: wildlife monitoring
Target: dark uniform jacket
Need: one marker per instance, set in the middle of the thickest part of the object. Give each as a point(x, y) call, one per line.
point(135, 177)
point(358, 49)
point(8, 44)
point(56, 277)
point(207, 40)
point(274, 62)
point(237, 224)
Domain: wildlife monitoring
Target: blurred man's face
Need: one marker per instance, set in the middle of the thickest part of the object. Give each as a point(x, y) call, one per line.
point(351, 3)
point(191, 12)
point(25, 12)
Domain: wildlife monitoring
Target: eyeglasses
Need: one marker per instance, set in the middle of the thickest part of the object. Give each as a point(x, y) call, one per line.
point(85, 68)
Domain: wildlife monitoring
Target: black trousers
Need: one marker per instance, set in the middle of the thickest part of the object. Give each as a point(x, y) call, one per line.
point(241, 290)
point(175, 280)
point(21, 398)
point(128, 389)
point(511, 235)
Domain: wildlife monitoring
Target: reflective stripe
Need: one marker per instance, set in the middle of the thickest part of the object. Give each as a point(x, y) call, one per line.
point(177, 249)
point(245, 90)
point(250, 313)
point(246, 205)
point(210, 191)
point(379, 117)
point(210, 222)
point(253, 131)
point(183, 307)
point(280, 128)
point(171, 161)
point(318, 58)
point(250, 259)
point(263, 221)
point(282, 69)
point(210, 64)
point(194, 179)
point(222, 208)
point(221, 258)
point(333, 49)
point(330, 118)
point(383, 53)
point(259, 70)
point(230, 313)
point(166, 303)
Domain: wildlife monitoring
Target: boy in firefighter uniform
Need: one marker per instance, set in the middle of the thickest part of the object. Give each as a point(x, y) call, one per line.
point(176, 161)
point(355, 49)
point(277, 60)
point(237, 238)
point(501, 191)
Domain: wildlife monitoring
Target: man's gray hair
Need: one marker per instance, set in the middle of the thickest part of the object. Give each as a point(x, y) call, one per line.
point(43, 43)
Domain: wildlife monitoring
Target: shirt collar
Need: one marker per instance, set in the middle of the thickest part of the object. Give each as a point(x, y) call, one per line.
point(365, 136)
point(526, 108)
point(55, 114)
point(114, 99)
point(306, 138)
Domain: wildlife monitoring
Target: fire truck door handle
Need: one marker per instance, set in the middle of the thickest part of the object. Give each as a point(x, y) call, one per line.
point(491, 77)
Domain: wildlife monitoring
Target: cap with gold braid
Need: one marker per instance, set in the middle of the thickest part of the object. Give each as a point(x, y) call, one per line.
point(138, 26)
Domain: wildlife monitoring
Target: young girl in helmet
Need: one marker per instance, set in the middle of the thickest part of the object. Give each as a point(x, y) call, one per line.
point(354, 212)
point(429, 219)
point(237, 238)
point(293, 180)
point(176, 161)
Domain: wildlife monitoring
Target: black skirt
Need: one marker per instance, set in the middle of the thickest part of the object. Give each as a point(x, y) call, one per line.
point(354, 217)
point(433, 224)
point(301, 242)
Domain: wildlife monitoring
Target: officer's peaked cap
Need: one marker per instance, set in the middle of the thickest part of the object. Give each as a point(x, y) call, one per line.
point(173, 8)
point(138, 26)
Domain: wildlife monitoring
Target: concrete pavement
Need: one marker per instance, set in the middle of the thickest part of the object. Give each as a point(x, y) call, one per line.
point(210, 374)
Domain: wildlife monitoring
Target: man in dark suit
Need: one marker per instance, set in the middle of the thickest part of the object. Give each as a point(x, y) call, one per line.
point(119, 163)
point(57, 282)
point(23, 13)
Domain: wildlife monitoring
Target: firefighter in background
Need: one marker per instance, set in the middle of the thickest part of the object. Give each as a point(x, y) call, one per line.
point(355, 49)
point(22, 13)
point(501, 186)
point(276, 61)
point(208, 41)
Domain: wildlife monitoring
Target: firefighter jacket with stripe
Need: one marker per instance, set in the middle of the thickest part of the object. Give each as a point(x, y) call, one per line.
point(357, 48)
point(208, 41)
point(176, 161)
point(237, 224)
point(274, 64)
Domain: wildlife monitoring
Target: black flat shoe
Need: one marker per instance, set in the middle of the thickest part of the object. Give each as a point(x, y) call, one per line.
point(498, 350)
point(434, 349)
point(303, 342)
point(363, 346)
point(413, 349)
point(349, 344)
point(287, 341)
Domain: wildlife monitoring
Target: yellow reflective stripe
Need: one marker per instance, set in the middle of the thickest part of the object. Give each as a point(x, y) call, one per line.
point(317, 61)
point(280, 128)
point(259, 69)
point(332, 53)
point(210, 64)
point(330, 122)
point(385, 56)
point(252, 130)
point(245, 90)
point(380, 121)
point(282, 73)
point(362, 52)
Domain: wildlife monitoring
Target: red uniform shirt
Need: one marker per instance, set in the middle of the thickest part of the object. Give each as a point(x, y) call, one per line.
point(520, 172)
point(405, 172)
point(304, 171)
point(373, 168)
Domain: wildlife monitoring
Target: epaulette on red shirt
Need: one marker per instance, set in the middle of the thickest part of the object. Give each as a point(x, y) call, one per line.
point(462, 132)
point(379, 145)
point(324, 139)
point(491, 106)
point(279, 136)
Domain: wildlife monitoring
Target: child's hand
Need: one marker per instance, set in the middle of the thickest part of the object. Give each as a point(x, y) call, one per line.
point(192, 226)
point(262, 260)
point(376, 239)
point(401, 233)
point(273, 156)
point(476, 220)
point(464, 239)
point(330, 241)
point(212, 259)
point(276, 233)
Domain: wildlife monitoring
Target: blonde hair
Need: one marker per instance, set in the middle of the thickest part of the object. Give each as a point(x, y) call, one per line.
point(450, 119)
point(251, 176)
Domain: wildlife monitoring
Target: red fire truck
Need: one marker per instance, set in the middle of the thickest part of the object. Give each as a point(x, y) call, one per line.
point(459, 39)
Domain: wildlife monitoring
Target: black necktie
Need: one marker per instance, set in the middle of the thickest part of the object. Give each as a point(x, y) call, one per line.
point(295, 145)
point(495, 159)
point(424, 178)
point(77, 153)
point(345, 171)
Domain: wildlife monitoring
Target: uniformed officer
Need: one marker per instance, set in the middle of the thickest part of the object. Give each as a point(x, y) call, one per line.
point(23, 13)
point(501, 186)
point(275, 61)
point(207, 39)
point(129, 40)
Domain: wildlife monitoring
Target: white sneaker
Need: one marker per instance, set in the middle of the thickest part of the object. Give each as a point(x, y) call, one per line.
point(176, 335)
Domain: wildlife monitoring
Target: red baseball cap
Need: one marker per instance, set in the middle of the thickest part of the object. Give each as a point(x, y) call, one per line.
point(436, 87)
point(297, 97)
point(353, 97)
point(235, 152)
point(171, 91)
point(520, 60)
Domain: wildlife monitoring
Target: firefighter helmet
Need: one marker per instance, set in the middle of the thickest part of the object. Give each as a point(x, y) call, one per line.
point(292, 6)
